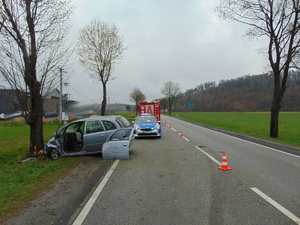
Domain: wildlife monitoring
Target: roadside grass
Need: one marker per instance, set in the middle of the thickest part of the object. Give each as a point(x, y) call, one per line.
point(254, 124)
point(21, 182)
point(128, 115)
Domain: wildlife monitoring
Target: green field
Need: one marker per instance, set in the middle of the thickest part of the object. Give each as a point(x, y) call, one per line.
point(252, 124)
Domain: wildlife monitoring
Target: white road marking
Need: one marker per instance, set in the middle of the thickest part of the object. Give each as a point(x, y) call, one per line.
point(80, 218)
point(273, 149)
point(261, 194)
point(170, 126)
point(208, 155)
point(257, 191)
point(277, 205)
point(185, 138)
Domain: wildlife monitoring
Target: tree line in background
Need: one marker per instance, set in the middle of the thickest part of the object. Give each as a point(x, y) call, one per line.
point(247, 93)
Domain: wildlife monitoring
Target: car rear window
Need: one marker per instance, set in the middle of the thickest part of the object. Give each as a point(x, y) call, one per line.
point(109, 125)
point(123, 121)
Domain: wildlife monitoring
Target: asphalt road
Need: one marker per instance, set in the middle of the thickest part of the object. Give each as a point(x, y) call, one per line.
point(176, 180)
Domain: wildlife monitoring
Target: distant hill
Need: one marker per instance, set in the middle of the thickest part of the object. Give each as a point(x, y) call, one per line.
point(243, 94)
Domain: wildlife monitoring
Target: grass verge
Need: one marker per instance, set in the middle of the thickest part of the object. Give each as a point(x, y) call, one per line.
point(253, 124)
point(22, 181)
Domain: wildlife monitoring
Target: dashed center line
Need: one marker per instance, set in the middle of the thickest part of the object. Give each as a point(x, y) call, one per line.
point(277, 205)
point(256, 190)
point(185, 138)
point(208, 155)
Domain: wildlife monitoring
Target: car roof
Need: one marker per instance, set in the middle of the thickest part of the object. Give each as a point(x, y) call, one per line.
point(98, 117)
point(146, 116)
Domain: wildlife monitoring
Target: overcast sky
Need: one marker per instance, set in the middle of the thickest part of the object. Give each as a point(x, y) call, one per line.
point(167, 40)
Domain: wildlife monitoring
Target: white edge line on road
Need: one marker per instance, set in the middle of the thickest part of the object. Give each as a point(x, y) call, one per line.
point(80, 218)
point(286, 153)
point(277, 205)
point(173, 129)
point(208, 155)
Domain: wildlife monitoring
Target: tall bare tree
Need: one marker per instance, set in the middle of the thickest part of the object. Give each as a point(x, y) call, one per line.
point(278, 21)
point(32, 35)
point(100, 46)
point(171, 91)
point(137, 96)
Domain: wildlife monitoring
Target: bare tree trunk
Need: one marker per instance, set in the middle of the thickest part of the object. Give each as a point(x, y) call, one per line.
point(278, 93)
point(36, 135)
point(274, 119)
point(136, 107)
point(103, 105)
point(35, 119)
point(170, 109)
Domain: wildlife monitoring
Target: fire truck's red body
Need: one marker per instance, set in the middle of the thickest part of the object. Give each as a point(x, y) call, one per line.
point(150, 108)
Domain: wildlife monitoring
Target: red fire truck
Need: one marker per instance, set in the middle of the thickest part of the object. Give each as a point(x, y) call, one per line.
point(150, 108)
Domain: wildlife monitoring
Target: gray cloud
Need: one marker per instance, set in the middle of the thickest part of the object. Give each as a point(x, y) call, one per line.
point(181, 41)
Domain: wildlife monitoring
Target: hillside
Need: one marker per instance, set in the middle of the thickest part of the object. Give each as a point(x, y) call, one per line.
point(244, 94)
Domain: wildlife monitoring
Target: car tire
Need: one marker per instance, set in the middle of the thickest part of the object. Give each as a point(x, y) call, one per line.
point(53, 154)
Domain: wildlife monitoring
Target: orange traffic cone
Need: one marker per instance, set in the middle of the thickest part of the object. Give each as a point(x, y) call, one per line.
point(224, 163)
point(181, 133)
point(170, 125)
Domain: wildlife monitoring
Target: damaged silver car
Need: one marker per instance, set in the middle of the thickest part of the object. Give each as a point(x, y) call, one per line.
point(88, 136)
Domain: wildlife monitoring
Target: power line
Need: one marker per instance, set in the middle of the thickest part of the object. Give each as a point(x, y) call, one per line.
point(81, 94)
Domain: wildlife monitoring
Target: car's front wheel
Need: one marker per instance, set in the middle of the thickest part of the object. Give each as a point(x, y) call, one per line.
point(53, 154)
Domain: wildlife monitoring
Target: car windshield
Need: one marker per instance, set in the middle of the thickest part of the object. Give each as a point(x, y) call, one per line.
point(146, 119)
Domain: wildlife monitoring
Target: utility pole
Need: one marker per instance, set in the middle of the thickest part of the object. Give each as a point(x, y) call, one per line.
point(60, 97)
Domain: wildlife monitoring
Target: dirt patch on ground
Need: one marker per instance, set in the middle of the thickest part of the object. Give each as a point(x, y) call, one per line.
point(60, 204)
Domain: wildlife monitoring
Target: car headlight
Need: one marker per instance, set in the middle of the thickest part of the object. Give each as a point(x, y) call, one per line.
point(157, 127)
point(136, 127)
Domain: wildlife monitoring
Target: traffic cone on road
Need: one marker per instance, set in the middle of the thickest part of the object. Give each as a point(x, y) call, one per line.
point(170, 125)
point(181, 133)
point(224, 163)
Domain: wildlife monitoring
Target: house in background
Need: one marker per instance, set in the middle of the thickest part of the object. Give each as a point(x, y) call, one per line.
point(52, 103)
point(8, 101)
point(9, 107)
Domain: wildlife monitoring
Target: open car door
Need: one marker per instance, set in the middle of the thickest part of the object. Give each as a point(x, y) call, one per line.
point(117, 145)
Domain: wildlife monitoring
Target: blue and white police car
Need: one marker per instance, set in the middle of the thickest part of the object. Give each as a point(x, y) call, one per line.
point(146, 125)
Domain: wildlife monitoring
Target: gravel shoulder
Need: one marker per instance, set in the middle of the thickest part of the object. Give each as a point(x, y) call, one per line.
point(57, 205)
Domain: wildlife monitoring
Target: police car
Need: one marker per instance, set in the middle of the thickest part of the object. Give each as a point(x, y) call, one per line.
point(146, 125)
